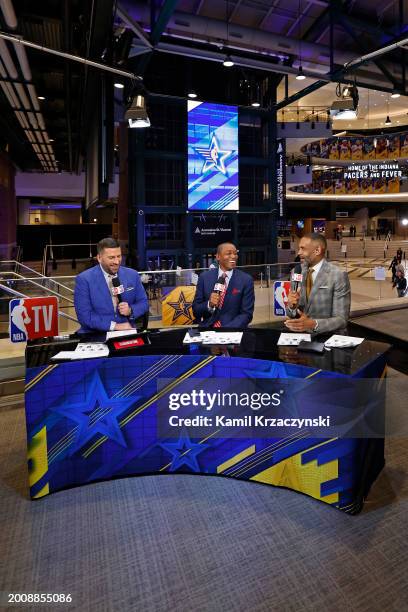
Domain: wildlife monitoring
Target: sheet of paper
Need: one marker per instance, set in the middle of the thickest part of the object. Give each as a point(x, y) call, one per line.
point(213, 337)
point(192, 340)
point(119, 334)
point(337, 341)
point(288, 339)
point(88, 350)
point(64, 355)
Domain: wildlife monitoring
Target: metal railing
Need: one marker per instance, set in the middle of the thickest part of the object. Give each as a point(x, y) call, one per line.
point(15, 293)
point(49, 249)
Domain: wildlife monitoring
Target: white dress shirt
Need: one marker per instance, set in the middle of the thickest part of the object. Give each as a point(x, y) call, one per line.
point(108, 278)
point(228, 275)
point(316, 270)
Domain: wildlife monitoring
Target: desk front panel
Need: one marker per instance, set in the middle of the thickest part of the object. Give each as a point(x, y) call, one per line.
point(97, 419)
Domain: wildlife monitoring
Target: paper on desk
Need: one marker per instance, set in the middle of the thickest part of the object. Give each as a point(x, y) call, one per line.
point(64, 355)
point(212, 337)
point(287, 339)
point(88, 350)
point(191, 339)
point(119, 334)
point(337, 341)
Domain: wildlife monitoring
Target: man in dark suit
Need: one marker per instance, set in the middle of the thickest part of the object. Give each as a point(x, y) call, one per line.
point(233, 306)
point(96, 303)
point(321, 303)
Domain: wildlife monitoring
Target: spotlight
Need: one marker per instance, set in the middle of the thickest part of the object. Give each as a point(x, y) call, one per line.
point(119, 85)
point(228, 63)
point(387, 121)
point(256, 104)
point(300, 76)
point(395, 94)
point(346, 106)
point(192, 94)
point(404, 222)
point(41, 97)
point(136, 114)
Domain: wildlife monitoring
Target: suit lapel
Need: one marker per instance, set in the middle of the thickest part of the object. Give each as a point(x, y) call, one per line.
point(320, 277)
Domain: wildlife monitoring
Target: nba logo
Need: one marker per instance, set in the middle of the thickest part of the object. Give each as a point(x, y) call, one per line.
point(280, 293)
point(32, 318)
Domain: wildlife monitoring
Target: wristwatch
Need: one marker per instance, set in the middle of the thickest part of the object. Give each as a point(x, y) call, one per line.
point(316, 327)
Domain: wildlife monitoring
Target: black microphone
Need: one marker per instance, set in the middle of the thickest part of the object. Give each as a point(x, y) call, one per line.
point(297, 277)
point(219, 286)
point(117, 288)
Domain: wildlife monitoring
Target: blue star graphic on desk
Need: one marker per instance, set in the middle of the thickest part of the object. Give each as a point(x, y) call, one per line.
point(214, 156)
point(97, 414)
point(184, 452)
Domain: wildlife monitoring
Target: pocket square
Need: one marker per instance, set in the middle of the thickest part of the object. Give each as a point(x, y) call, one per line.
point(235, 291)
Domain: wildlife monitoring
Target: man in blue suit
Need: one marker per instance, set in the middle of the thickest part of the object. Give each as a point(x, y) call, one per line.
point(233, 306)
point(96, 303)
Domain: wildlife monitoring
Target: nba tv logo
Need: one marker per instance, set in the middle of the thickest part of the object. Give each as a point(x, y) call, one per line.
point(32, 318)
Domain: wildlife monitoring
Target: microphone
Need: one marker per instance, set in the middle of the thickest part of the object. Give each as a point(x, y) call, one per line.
point(118, 288)
point(297, 277)
point(296, 280)
point(219, 285)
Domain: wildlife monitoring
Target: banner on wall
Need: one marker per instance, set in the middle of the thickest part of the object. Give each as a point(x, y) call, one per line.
point(281, 176)
point(212, 156)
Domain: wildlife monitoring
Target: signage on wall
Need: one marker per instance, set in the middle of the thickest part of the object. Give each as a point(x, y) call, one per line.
point(209, 230)
point(281, 176)
point(386, 170)
point(31, 318)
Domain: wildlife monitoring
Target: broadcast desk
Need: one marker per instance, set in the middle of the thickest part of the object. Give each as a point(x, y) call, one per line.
point(96, 419)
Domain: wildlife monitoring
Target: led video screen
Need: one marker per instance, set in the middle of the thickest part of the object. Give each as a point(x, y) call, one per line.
point(212, 156)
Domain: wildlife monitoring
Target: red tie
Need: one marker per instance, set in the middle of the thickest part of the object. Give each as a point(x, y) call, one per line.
point(222, 298)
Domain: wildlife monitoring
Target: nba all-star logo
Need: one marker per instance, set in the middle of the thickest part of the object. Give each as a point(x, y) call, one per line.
point(214, 156)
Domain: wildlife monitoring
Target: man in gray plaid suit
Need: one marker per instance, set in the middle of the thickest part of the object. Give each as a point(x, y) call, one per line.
point(322, 302)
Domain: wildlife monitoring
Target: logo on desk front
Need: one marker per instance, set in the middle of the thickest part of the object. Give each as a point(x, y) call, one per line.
point(280, 293)
point(32, 318)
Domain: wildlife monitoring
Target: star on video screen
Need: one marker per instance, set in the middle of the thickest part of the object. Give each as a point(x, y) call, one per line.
point(212, 156)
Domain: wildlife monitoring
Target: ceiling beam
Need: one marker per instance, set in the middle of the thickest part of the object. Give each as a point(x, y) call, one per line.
point(134, 26)
point(162, 20)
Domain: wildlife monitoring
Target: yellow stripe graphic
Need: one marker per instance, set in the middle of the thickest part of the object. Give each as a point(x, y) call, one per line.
point(39, 376)
point(236, 459)
point(37, 453)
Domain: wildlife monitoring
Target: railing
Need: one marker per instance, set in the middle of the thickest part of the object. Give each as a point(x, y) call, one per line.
point(15, 293)
point(159, 285)
point(65, 251)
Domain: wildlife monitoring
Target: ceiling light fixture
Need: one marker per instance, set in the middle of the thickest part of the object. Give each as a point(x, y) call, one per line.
point(41, 97)
point(395, 94)
point(256, 104)
point(300, 76)
point(192, 94)
point(388, 121)
point(228, 63)
point(136, 114)
point(118, 85)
